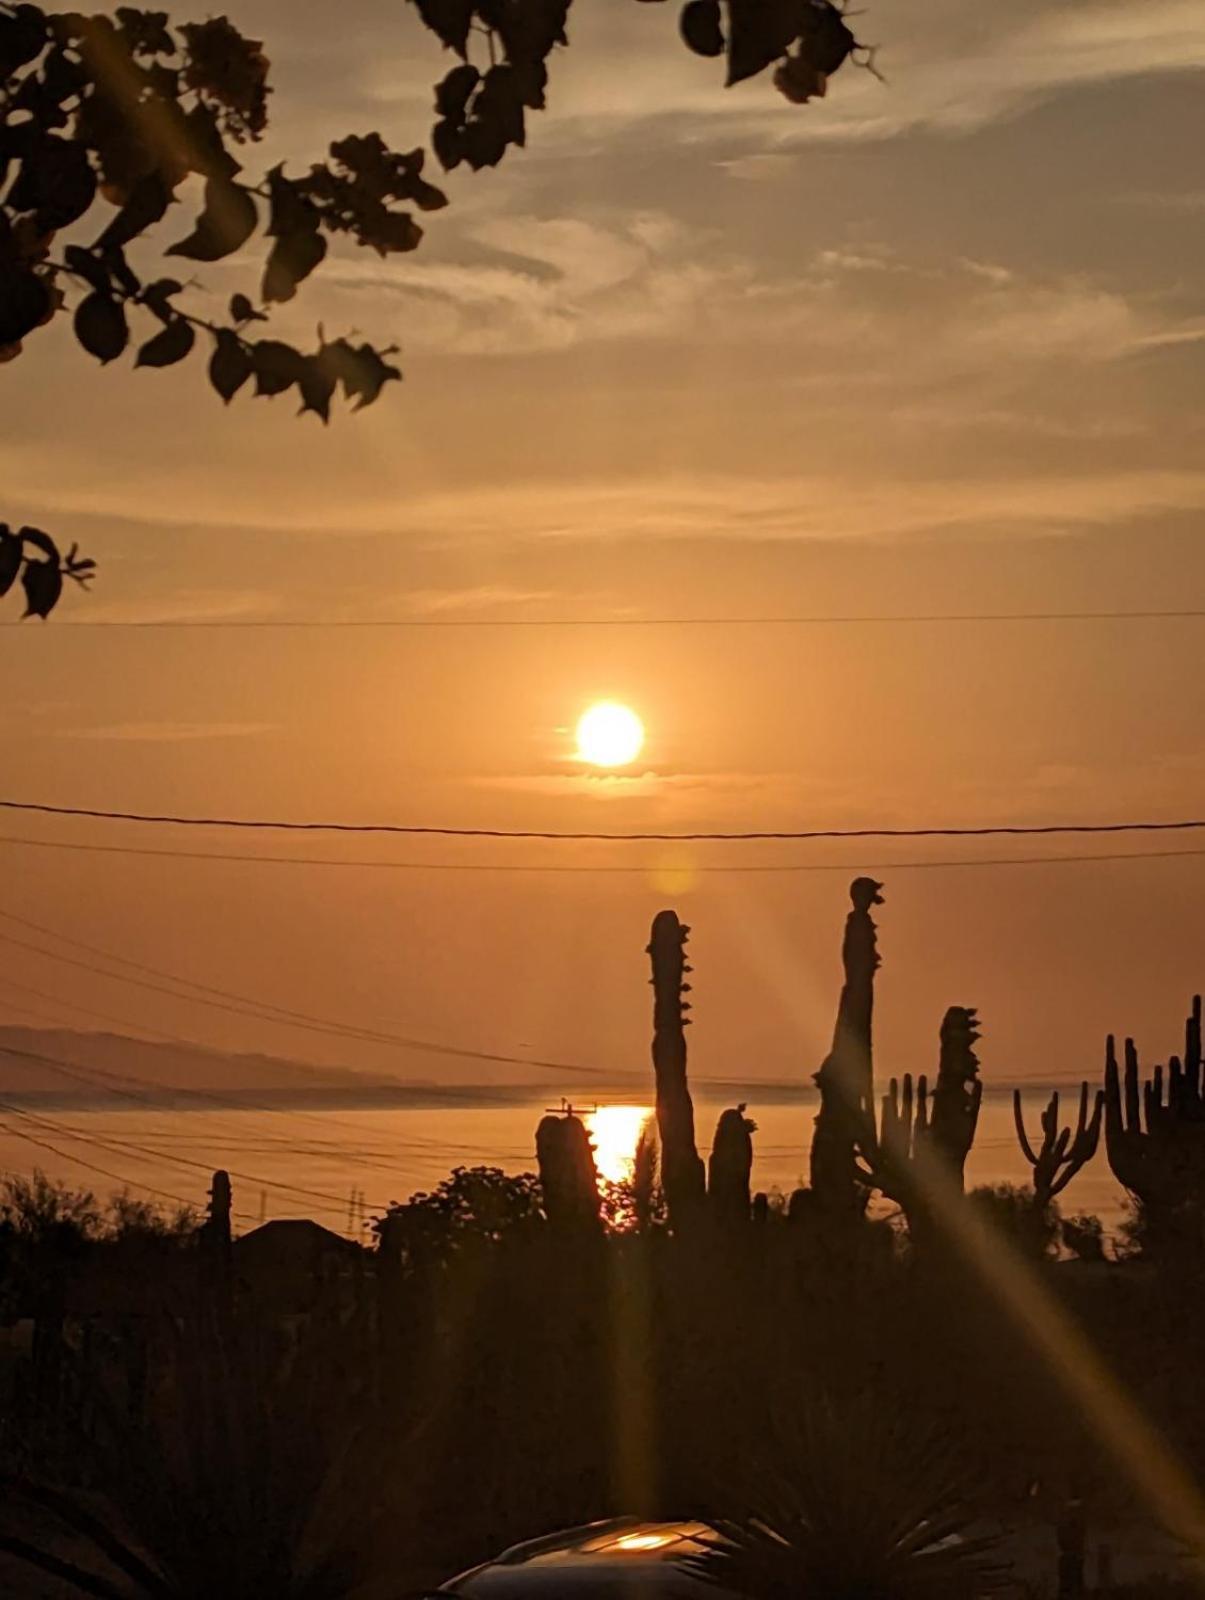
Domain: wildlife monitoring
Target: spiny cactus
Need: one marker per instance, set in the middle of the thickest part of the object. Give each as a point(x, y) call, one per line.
point(846, 1077)
point(568, 1178)
point(917, 1155)
point(730, 1166)
point(682, 1176)
point(1061, 1154)
point(958, 1092)
point(1163, 1164)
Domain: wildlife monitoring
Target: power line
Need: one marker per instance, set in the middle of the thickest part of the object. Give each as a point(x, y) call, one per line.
point(300, 1020)
point(625, 870)
point(457, 624)
point(415, 1147)
point(994, 830)
point(63, 1155)
point(180, 1161)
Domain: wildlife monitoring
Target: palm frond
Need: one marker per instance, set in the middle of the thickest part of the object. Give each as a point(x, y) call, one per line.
point(850, 1500)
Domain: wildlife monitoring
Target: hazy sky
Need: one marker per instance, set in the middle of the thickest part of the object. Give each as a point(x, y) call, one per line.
point(934, 344)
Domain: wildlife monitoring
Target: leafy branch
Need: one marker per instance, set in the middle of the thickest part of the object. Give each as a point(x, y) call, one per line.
point(103, 119)
point(33, 556)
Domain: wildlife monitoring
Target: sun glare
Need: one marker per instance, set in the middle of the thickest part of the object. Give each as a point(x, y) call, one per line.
point(616, 1132)
point(609, 735)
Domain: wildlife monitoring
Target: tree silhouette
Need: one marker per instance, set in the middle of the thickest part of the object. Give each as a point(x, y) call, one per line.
point(104, 119)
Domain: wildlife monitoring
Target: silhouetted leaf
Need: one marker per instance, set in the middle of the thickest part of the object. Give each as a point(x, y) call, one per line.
point(827, 38)
point(147, 201)
point(22, 38)
point(43, 584)
point(227, 222)
point(157, 297)
point(241, 310)
point(88, 266)
point(276, 366)
point(362, 371)
point(448, 144)
point(10, 558)
point(170, 344)
point(230, 365)
point(799, 80)
point(40, 541)
point(145, 32)
point(759, 32)
point(100, 326)
point(24, 302)
point(700, 27)
point(394, 233)
point(449, 20)
point(317, 385)
point(294, 256)
point(56, 183)
point(452, 94)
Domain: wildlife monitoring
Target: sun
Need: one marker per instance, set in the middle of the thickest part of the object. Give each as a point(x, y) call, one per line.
point(609, 735)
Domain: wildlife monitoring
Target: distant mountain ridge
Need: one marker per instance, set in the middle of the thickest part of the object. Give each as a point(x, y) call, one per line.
point(65, 1062)
point(68, 1067)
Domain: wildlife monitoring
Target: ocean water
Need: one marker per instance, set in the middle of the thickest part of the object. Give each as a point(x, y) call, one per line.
point(342, 1167)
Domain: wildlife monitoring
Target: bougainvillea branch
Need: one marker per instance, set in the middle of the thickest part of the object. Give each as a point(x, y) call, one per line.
point(103, 119)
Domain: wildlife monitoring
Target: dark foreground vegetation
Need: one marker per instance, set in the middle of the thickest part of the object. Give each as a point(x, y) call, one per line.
point(891, 1401)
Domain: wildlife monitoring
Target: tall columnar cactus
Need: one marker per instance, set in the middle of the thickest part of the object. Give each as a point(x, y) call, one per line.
point(1062, 1153)
point(568, 1178)
point(958, 1093)
point(846, 1076)
point(215, 1230)
point(730, 1166)
point(917, 1155)
point(682, 1176)
point(1162, 1164)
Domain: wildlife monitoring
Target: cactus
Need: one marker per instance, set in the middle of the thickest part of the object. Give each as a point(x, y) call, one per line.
point(568, 1178)
point(917, 1155)
point(213, 1236)
point(958, 1092)
point(730, 1166)
point(1061, 1154)
point(1163, 1164)
point(846, 1077)
point(682, 1176)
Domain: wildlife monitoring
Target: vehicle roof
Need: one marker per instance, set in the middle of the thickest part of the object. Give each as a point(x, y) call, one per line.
point(623, 1557)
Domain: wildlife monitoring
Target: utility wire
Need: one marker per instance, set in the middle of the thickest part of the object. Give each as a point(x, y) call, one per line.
point(455, 624)
point(181, 1161)
point(300, 1020)
point(114, 1177)
point(416, 1148)
point(624, 870)
point(1022, 830)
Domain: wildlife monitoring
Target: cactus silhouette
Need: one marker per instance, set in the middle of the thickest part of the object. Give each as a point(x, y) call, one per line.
point(917, 1155)
point(1163, 1163)
point(1062, 1153)
point(846, 1077)
point(730, 1166)
point(568, 1178)
point(682, 1176)
point(959, 1091)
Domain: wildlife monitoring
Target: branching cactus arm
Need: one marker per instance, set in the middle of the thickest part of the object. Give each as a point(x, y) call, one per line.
point(1063, 1152)
point(1123, 1127)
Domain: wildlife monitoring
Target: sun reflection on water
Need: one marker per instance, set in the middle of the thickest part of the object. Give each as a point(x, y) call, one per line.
point(616, 1132)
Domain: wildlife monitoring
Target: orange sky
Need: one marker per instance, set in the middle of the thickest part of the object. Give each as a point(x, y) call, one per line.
point(934, 345)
